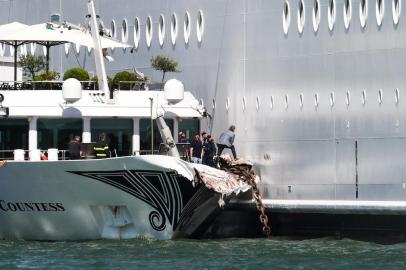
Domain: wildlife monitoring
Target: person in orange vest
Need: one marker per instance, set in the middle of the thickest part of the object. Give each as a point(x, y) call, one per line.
point(101, 149)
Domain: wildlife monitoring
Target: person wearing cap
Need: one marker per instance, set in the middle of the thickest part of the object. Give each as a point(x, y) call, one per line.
point(226, 140)
point(101, 149)
point(209, 151)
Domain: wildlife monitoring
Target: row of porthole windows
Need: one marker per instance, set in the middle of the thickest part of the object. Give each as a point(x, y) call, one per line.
point(149, 31)
point(331, 13)
point(316, 100)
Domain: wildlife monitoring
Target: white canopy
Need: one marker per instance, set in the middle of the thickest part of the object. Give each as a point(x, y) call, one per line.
point(8, 29)
point(50, 36)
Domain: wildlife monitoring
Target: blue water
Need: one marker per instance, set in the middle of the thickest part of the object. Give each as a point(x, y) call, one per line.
point(207, 254)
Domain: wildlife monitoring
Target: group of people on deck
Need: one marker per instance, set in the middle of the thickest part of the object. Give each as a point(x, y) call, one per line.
point(204, 150)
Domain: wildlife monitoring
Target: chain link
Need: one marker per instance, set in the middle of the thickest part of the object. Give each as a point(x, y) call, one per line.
point(245, 173)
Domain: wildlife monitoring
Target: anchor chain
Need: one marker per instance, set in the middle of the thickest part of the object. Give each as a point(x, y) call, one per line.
point(245, 172)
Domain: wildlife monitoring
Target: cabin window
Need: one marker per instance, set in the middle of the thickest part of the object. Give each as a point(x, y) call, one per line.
point(137, 32)
point(286, 17)
point(186, 27)
point(258, 103)
point(200, 26)
point(271, 103)
point(316, 15)
point(189, 126)
point(363, 12)
point(119, 134)
point(347, 13)
point(148, 31)
point(145, 135)
point(331, 15)
point(379, 11)
point(124, 31)
point(161, 30)
point(244, 103)
point(113, 29)
point(57, 133)
point(174, 28)
point(396, 10)
point(301, 16)
point(13, 135)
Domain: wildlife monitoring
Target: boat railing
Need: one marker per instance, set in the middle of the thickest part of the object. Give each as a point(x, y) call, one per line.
point(86, 85)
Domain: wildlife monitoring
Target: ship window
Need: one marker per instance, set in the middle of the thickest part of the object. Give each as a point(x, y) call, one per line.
point(347, 13)
point(332, 99)
point(331, 15)
point(214, 104)
point(186, 27)
point(301, 16)
point(286, 17)
point(227, 104)
point(316, 100)
point(200, 26)
point(145, 135)
point(113, 29)
point(363, 12)
point(397, 96)
point(396, 10)
point(13, 135)
point(174, 28)
point(364, 97)
point(348, 98)
point(124, 31)
point(137, 32)
point(257, 103)
point(148, 31)
point(119, 133)
point(271, 104)
point(301, 97)
point(380, 11)
point(190, 127)
point(244, 103)
point(57, 133)
point(380, 96)
point(316, 15)
point(161, 32)
point(286, 101)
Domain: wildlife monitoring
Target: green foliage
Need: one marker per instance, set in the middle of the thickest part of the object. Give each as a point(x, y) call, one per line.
point(164, 64)
point(47, 76)
point(124, 76)
point(78, 73)
point(95, 80)
point(32, 63)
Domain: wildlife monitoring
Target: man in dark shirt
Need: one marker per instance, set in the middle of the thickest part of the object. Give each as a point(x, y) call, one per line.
point(196, 147)
point(209, 151)
point(74, 148)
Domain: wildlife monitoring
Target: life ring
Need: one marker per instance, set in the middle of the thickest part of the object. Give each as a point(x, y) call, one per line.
point(3, 163)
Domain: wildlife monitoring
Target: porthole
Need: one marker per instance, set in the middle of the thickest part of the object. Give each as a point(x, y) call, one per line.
point(186, 27)
point(271, 104)
point(363, 12)
point(2, 50)
point(113, 29)
point(316, 15)
point(364, 97)
point(124, 31)
point(148, 31)
point(244, 103)
point(301, 97)
point(227, 104)
point(214, 104)
point(286, 17)
point(379, 11)
point(316, 100)
point(397, 96)
point(257, 103)
point(200, 26)
point(396, 10)
point(301, 16)
point(174, 28)
point(137, 32)
point(348, 98)
point(347, 13)
point(33, 48)
point(331, 14)
point(161, 30)
point(380, 96)
point(332, 99)
point(286, 102)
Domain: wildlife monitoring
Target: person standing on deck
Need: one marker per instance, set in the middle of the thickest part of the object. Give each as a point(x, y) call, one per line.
point(101, 149)
point(74, 148)
point(196, 148)
point(226, 140)
point(209, 151)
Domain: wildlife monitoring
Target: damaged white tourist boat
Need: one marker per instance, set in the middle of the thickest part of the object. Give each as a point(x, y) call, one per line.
point(156, 196)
